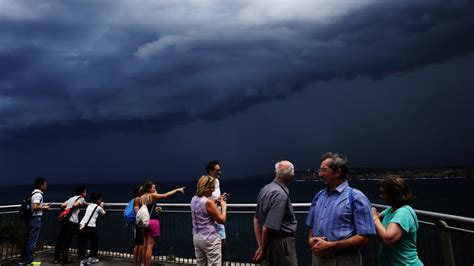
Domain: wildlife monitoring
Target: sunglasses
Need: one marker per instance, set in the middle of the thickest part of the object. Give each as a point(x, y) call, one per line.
point(209, 181)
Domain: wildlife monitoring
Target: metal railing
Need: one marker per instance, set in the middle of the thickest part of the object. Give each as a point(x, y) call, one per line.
point(442, 239)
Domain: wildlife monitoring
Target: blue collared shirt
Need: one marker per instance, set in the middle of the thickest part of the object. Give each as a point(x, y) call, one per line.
point(331, 214)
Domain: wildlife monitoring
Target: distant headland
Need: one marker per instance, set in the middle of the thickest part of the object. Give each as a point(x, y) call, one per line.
point(376, 173)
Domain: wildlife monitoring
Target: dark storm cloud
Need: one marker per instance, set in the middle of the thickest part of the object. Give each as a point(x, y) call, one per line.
point(74, 70)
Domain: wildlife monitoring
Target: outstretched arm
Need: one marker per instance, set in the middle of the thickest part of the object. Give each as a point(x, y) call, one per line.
point(157, 196)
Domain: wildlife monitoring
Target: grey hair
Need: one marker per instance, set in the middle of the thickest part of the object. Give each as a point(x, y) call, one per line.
point(338, 161)
point(284, 169)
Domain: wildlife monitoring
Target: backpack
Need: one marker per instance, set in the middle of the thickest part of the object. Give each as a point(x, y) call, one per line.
point(67, 213)
point(129, 212)
point(26, 210)
point(143, 216)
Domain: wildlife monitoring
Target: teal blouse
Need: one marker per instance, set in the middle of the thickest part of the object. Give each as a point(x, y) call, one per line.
point(404, 251)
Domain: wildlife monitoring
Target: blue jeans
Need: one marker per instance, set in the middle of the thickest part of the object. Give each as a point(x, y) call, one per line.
point(32, 235)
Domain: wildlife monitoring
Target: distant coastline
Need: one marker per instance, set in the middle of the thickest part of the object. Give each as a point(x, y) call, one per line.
point(377, 173)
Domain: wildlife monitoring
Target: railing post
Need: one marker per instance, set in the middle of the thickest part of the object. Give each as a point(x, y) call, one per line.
point(446, 244)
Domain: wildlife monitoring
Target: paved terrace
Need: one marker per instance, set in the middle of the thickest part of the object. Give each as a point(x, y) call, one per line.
point(46, 257)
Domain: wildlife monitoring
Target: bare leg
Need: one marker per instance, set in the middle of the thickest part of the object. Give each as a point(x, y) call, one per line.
point(140, 254)
point(148, 250)
point(137, 254)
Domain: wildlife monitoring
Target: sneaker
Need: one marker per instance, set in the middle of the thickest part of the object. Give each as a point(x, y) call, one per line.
point(93, 260)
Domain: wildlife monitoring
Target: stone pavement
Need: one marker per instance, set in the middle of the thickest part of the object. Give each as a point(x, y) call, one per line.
point(47, 258)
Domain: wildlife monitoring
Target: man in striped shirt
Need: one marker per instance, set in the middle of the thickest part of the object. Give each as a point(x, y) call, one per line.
point(339, 218)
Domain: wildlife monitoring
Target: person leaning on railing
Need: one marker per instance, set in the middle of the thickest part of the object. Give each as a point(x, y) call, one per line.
point(204, 212)
point(69, 226)
point(397, 230)
point(88, 230)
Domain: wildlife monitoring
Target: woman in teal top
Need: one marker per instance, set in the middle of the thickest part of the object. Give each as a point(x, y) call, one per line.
point(399, 224)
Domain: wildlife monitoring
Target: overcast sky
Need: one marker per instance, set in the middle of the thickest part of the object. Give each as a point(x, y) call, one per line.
point(108, 91)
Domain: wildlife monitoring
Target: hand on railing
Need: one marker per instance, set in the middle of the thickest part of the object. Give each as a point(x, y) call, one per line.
point(45, 206)
point(375, 214)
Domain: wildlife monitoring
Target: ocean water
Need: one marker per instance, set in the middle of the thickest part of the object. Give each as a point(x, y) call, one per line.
point(451, 196)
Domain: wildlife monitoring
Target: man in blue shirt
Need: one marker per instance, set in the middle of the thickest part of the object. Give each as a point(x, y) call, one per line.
point(339, 218)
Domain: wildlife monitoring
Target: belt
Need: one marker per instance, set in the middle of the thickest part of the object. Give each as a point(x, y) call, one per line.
point(285, 234)
point(341, 253)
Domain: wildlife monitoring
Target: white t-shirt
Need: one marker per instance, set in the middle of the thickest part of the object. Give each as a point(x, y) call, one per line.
point(37, 198)
point(75, 212)
point(217, 192)
point(88, 214)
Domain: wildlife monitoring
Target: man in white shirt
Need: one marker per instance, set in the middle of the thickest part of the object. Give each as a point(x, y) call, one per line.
point(34, 223)
point(213, 169)
point(69, 227)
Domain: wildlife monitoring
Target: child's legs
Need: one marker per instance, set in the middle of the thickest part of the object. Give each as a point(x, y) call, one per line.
point(82, 240)
point(94, 242)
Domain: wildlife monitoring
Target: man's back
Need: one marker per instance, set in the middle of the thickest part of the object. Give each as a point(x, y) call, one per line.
point(274, 209)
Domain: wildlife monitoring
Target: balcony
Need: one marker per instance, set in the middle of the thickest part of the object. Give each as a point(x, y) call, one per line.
point(442, 239)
